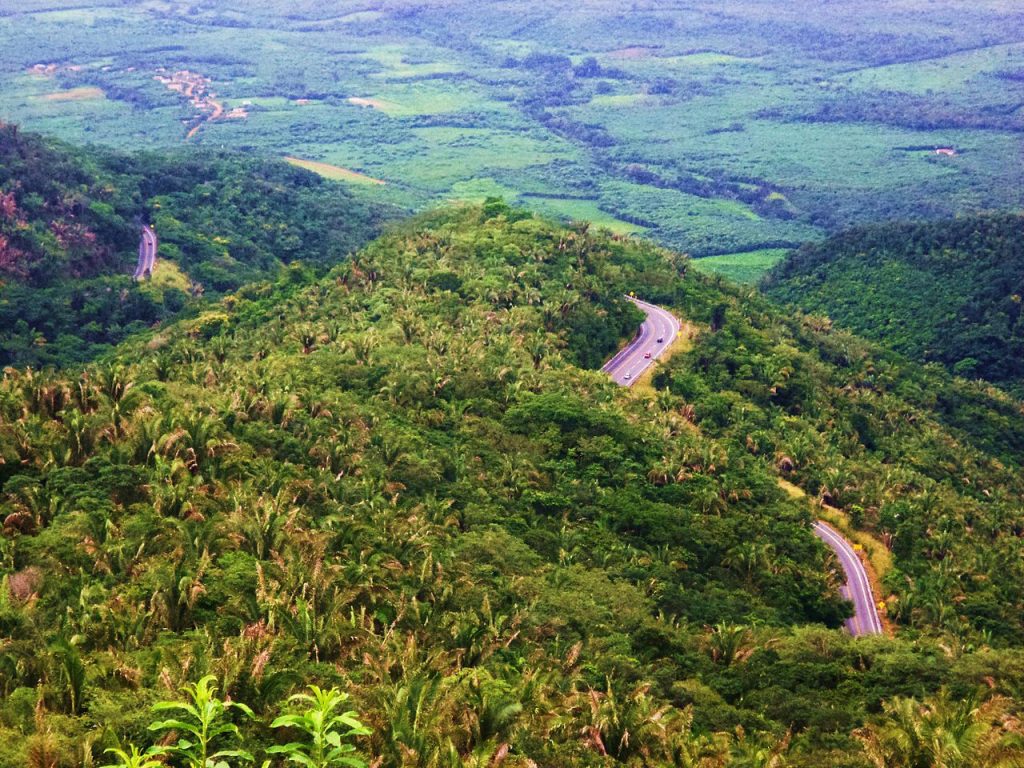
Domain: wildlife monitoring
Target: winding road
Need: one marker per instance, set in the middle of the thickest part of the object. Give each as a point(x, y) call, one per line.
point(147, 252)
point(865, 619)
point(632, 360)
point(656, 334)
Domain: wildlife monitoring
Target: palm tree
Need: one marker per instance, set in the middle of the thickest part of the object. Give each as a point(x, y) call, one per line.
point(195, 439)
point(114, 382)
point(491, 711)
point(730, 643)
point(623, 725)
point(409, 324)
point(363, 346)
point(415, 719)
point(761, 751)
point(70, 673)
point(686, 749)
point(260, 522)
point(79, 434)
point(945, 732)
point(748, 558)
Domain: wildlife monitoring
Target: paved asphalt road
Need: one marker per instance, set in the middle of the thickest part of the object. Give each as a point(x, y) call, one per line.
point(630, 362)
point(147, 252)
point(857, 589)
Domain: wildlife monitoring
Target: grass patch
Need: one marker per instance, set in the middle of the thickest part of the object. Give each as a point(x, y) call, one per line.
point(632, 52)
point(333, 172)
point(85, 93)
point(411, 99)
point(359, 16)
point(702, 59)
point(438, 157)
point(478, 190)
point(400, 63)
point(166, 274)
point(583, 210)
point(747, 267)
point(618, 101)
point(946, 74)
point(387, 107)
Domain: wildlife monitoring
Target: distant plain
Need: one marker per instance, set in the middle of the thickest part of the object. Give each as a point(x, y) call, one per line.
point(721, 129)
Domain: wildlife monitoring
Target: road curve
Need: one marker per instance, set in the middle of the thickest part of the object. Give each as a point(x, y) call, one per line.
point(630, 362)
point(148, 245)
point(865, 619)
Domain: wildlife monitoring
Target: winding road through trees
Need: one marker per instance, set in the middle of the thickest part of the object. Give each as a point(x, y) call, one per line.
point(632, 360)
point(147, 252)
point(656, 334)
point(865, 619)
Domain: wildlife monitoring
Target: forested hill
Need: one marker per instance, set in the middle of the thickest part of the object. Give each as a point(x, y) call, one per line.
point(948, 291)
point(69, 231)
point(406, 479)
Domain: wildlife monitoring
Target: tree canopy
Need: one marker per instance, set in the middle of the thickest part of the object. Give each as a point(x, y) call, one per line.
point(70, 221)
point(945, 291)
point(407, 480)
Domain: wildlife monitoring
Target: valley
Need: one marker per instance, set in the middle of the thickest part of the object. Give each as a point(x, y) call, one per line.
point(714, 130)
point(511, 385)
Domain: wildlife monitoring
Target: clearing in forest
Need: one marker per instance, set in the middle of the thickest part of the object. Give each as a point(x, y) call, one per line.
point(374, 103)
point(333, 172)
point(84, 93)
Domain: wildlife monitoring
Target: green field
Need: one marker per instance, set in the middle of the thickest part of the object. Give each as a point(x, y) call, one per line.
point(747, 268)
point(945, 74)
point(709, 128)
point(583, 210)
point(333, 172)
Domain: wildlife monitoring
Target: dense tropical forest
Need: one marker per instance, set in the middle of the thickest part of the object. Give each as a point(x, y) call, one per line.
point(946, 291)
point(69, 234)
point(342, 481)
point(405, 482)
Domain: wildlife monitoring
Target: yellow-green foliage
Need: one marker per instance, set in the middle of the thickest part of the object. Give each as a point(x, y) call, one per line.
point(408, 480)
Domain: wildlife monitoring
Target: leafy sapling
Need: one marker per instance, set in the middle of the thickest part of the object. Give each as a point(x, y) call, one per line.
point(133, 758)
point(326, 731)
point(202, 726)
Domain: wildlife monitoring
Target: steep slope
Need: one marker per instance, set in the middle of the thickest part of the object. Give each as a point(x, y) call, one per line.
point(70, 221)
point(631, 364)
point(948, 292)
point(399, 479)
point(929, 464)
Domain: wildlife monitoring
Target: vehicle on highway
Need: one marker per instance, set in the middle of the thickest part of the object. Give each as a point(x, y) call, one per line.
point(638, 355)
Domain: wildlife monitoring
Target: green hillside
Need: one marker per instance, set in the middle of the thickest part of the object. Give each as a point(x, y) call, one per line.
point(947, 292)
point(69, 232)
point(406, 479)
